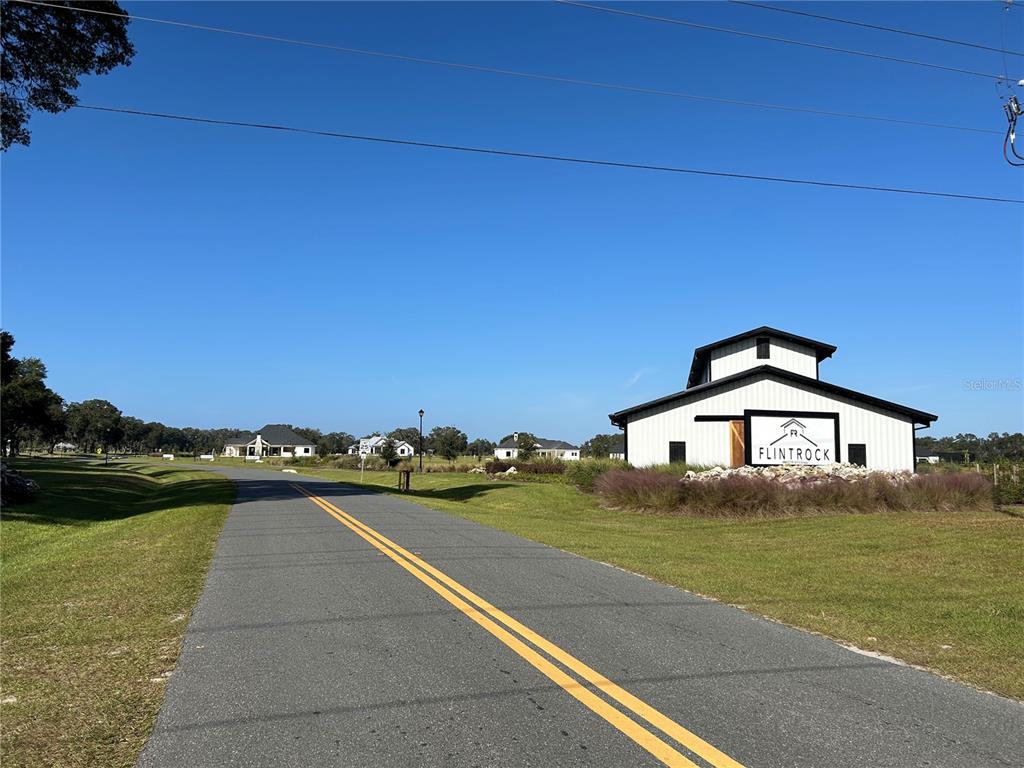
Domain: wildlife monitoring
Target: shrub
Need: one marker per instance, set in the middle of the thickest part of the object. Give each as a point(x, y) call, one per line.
point(303, 461)
point(679, 468)
point(375, 463)
point(537, 467)
point(960, 490)
point(737, 496)
point(345, 462)
point(585, 472)
point(639, 489)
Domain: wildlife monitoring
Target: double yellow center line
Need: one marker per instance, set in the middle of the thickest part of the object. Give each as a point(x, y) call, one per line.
point(513, 634)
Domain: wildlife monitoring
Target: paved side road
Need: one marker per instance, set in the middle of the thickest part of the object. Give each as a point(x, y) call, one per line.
point(314, 643)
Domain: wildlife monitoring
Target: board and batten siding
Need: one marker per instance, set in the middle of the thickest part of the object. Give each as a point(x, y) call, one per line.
point(742, 356)
point(889, 436)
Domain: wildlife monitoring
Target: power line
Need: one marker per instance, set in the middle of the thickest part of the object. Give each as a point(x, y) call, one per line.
point(758, 36)
point(879, 27)
point(539, 156)
point(528, 75)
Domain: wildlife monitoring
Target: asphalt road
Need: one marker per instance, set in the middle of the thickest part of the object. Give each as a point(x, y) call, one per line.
point(316, 642)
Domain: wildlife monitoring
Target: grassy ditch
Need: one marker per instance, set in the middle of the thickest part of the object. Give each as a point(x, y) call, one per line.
point(99, 575)
point(942, 588)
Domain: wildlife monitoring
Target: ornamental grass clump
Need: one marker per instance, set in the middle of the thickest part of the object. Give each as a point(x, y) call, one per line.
point(738, 495)
point(962, 490)
point(640, 489)
point(585, 472)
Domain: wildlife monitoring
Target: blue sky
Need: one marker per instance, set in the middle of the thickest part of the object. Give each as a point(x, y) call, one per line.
point(213, 276)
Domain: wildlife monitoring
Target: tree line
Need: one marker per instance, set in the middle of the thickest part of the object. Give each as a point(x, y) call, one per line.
point(995, 447)
point(35, 417)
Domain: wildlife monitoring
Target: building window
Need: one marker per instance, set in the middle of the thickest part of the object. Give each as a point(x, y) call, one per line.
point(507, 454)
point(763, 349)
point(857, 453)
point(676, 452)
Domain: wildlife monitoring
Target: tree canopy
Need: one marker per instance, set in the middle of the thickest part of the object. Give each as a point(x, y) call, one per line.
point(599, 446)
point(481, 447)
point(29, 406)
point(46, 50)
point(527, 445)
point(95, 424)
point(411, 435)
point(449, 442)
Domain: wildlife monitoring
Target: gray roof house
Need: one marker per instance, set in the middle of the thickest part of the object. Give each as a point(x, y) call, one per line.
point(554, 449)
point(271, 440)
point(617, 450)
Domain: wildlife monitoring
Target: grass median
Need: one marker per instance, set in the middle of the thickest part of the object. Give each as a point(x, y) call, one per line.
point(944, 590)
point(100, 573)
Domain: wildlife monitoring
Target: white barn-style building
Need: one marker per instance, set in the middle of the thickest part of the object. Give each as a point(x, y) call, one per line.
point(756, 399)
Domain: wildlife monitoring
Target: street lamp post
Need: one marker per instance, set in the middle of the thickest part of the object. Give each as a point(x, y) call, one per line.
point(421, 441)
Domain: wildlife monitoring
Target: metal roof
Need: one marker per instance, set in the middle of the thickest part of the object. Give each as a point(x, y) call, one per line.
point(544, 444)
point(920, 417)
point(274, 434)
point(701, 354)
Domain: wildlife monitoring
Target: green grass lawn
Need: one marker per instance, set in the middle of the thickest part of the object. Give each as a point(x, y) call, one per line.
point(99, 575)
point(942, 590)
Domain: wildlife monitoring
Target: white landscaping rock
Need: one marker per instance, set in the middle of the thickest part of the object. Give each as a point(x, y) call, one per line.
point(800, 474)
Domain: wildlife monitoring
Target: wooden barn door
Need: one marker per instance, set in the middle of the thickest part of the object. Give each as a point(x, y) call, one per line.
point(737, 443)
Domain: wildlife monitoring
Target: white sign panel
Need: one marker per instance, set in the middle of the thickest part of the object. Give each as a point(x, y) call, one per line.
point(784, 438)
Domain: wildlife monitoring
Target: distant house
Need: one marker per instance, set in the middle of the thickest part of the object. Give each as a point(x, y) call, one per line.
point(618, 450)
point(272, 440)
point(956, 457)
point(925, 455)
point(553, 449)
point(371, 445)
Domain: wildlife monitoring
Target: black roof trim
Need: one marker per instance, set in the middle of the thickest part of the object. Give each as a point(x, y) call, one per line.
point(919, 417)
point(274, 434)
point(544, 443)
point(700, 354)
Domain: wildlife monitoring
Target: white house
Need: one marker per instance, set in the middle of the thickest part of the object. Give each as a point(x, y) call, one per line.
point(369, 445)
point(552, 449)
point(756, 398)
point(618, 450)
point(272, 440)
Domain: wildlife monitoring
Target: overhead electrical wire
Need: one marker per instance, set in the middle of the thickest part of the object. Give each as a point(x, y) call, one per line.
point(866, 25)
point(528, 75)
point(773, 38)
point(540, 156)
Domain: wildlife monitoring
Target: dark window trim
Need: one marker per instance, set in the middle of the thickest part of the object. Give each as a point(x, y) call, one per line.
point(849, 453)
point(676, 442)
point(748, 448)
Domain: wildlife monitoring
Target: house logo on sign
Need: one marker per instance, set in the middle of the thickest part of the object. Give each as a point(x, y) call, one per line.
point(793, 429)
point(793, 445)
